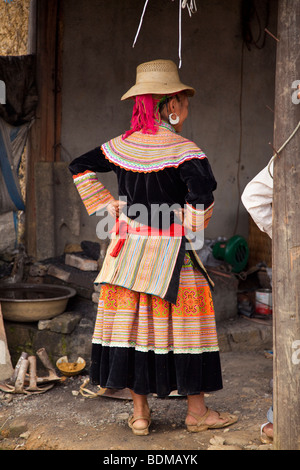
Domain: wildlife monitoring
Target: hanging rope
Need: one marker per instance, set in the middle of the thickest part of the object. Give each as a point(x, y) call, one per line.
point(191, 7)
point(141, 22)
point(179, 32)
point(283, 146)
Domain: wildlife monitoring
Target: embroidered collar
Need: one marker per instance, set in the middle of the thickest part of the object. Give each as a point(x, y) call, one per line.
point(167, 125)
point(145, 153)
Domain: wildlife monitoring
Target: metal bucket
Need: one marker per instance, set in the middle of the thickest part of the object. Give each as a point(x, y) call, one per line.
point(263, 301)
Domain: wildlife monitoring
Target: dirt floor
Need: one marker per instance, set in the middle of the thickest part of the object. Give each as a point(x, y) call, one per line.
point(63, 419)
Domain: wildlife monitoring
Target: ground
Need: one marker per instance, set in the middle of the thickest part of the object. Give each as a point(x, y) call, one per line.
point(63, 419)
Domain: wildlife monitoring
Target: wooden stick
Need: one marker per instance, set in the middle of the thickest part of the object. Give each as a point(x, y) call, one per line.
point(13, 378)
point(275, 151)
point(272, 35)
point(270, 109)
point(19, 386)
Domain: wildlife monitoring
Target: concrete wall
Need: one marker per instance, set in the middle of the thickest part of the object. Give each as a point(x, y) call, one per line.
point(228, 113)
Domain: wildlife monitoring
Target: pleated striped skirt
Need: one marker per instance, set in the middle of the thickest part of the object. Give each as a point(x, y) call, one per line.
point(149, 345)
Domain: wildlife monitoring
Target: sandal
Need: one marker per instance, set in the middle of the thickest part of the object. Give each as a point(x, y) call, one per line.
point(202, 426)
point(141, 431)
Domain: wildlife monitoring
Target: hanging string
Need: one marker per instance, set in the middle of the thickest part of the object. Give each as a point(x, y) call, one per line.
point(191, 7)
point(282, 147)
point(179, 42)
point(141, 22)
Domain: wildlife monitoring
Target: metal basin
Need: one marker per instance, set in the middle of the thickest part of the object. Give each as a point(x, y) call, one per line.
point(33, 302)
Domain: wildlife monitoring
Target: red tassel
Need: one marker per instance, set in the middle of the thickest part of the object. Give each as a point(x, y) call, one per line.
point(117, 248)
point(120, 228)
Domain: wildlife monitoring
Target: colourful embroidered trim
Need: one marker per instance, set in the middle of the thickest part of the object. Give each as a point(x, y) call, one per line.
point(144, 264)
point(197, 220)
point(130, 319)
point(145, 153)
point(93, 194)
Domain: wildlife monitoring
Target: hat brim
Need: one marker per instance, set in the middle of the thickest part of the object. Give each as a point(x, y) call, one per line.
point(154, 89)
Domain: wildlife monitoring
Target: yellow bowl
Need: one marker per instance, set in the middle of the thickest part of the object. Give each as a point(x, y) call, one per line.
point(70, 368)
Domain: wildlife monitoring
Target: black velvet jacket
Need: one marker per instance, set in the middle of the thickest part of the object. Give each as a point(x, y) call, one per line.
point(191, 182)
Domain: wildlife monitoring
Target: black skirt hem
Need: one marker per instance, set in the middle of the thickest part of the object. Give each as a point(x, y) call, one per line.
point(147, 372)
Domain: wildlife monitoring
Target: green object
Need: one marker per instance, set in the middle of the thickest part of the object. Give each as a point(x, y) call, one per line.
point(234, 251)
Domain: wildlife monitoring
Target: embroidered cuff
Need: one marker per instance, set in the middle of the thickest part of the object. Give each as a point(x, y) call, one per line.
point(93, 194)
point(197, 219)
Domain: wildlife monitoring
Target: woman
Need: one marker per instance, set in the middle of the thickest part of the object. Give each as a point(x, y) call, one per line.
point(155, 329)
point(257, 198)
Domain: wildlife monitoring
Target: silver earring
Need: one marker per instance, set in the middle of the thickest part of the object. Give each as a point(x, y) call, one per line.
point(172, 120)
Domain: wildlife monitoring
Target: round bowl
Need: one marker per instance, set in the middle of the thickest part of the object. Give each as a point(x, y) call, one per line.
point(33, 302)
point(70, 368)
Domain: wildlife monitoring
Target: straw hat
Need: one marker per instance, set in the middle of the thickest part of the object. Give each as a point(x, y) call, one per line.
point(159, 77)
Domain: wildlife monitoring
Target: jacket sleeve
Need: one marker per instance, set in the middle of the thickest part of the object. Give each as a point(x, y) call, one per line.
point(200, 181)
point(257, 198)
point(92, 192)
